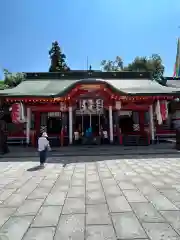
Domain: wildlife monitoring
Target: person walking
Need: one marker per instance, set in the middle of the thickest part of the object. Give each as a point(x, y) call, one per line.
point(43, 147)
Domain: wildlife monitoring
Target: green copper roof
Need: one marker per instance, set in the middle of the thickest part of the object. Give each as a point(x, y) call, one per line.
point(141, 87)
point(60, 87)
point(39, 88)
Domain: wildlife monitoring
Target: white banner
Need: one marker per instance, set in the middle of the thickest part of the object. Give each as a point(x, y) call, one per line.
point(158, 113)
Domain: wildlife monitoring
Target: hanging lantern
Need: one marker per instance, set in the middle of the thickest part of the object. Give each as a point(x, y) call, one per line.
point(118, 105)
point(62, 106)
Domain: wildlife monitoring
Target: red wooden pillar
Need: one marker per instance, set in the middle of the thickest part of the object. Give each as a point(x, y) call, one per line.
point(62, 137)
point(120, 137)
point(37, 119)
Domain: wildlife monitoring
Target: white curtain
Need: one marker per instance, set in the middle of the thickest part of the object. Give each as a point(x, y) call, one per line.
point(22, 113)
point(158, 113)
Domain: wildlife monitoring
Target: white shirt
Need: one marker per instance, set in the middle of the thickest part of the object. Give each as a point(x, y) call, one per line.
point(43, 143)
point(105, 134)
point(76, 135)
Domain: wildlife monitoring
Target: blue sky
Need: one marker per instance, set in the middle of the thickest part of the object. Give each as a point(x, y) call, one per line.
point(100, 29)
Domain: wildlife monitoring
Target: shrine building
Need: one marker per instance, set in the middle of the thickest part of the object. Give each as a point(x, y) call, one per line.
point(125, 108)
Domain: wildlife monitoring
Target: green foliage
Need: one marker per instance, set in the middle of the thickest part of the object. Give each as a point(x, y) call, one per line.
point(58, 59)
point(141, 64)
point(12, 79)
point(114, 66)
point(152, 64)
point(157, 67)
point(3, 85)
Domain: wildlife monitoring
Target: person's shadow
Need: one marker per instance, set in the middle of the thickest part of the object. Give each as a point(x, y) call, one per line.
point(36, 168)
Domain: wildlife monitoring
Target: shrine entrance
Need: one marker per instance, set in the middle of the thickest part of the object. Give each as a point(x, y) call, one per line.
point(85, 121)
point(91, 120)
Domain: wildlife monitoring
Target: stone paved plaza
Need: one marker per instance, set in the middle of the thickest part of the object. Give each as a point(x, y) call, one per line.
point(92, 200)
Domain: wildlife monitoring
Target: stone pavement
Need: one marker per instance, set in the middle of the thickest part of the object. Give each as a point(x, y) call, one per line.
point(97, 200)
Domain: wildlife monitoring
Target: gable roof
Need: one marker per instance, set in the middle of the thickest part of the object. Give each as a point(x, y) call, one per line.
point(60, 87)
point(142, 87)
point(38, 88)
point(173, 83)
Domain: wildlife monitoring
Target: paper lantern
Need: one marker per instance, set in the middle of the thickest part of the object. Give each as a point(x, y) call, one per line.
point(118, 105)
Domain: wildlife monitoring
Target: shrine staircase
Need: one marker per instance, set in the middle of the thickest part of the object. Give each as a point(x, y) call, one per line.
point(135, 140)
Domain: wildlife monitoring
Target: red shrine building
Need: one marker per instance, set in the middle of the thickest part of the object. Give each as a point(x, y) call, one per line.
point(89, 107)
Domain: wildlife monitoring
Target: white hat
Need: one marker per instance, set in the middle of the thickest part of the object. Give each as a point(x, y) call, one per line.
point(44, 134)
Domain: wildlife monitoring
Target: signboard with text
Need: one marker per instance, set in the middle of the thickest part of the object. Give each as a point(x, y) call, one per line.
point(90, 106)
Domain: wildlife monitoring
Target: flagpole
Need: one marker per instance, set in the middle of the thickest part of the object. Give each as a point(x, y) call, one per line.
point(177, 62)
point(87, 63)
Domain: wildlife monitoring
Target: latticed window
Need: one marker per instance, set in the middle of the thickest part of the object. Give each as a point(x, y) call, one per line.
point(136, 127)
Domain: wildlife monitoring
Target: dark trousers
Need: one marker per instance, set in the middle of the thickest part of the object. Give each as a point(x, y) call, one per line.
point(105, 141)
point(4, 148)
point(77, 142)
point(43, 156)
point(116, 140)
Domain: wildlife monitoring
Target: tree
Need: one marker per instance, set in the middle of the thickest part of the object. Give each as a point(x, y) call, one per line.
point(58, 59)
point(152, 64)
point(12, 79)
point(140, 64)
point(114, 66)
point(157, 67)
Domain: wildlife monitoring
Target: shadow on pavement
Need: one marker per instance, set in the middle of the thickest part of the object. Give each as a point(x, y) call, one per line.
point(36, 168)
